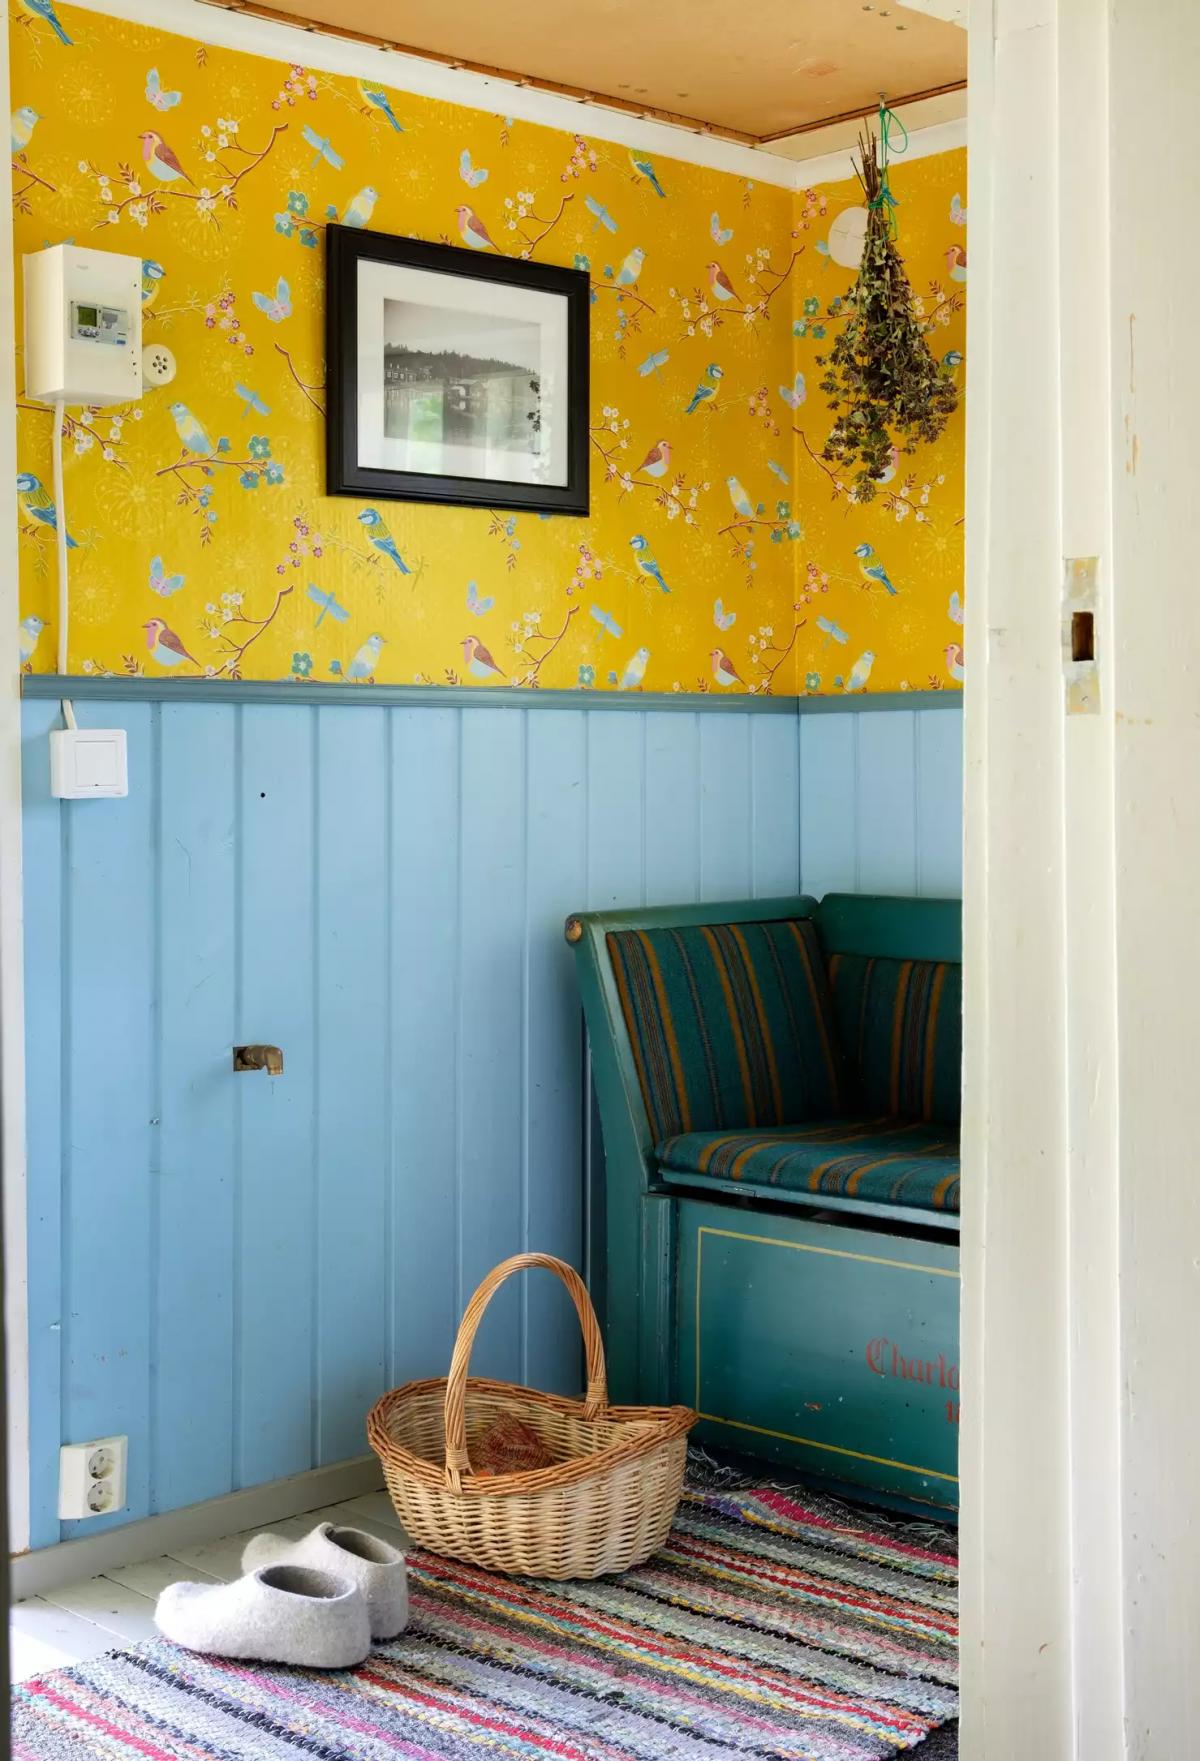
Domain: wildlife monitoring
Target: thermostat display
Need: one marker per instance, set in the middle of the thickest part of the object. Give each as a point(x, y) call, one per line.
point(109, 324)
point(83, 326)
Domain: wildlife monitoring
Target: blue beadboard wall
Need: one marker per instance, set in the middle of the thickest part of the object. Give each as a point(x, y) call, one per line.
point(228, 1268)
point(881, 802)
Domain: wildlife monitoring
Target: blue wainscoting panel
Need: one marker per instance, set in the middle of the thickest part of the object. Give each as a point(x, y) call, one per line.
point(352, 1074)
point(886, 806)
point(192, 1301)
point(774, 807)
point(726, 801)
point(229, 1268)
point(881, 802)
point(939, 792)
point(552, 1086)
point(829, 803)
point(45, 858)
point(280, 951)
point(671, 801)
point(616, 810)
point(491, 1025)
point(111, 1091)
point(425, 1089)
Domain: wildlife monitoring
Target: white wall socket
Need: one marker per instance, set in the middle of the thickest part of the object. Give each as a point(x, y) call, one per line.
point(158, 365)
point(91, 1477)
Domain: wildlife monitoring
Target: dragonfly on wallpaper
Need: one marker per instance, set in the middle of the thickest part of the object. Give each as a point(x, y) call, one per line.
point(603, 217)
point(606, 620)
point(324, 149)
point(328, 603)
point(252, 401)
point(833, 632)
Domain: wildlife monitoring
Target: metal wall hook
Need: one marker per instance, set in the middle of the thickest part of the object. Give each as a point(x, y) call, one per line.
point(268, 1058)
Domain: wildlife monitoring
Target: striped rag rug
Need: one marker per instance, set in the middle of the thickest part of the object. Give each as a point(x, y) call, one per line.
point(765, 1628)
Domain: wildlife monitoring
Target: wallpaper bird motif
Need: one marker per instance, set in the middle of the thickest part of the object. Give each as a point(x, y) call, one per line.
point(722, 554)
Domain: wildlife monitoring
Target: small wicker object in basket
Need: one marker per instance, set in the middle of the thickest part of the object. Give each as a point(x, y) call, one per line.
point(605, 1504)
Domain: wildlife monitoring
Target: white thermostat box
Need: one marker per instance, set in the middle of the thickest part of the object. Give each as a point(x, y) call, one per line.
point(88, 764)
point(83, 326)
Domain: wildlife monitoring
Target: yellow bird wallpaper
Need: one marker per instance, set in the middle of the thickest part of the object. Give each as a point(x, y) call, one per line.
point(722, 553)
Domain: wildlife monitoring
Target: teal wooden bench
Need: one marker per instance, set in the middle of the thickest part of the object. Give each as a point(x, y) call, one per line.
point(779, 1091)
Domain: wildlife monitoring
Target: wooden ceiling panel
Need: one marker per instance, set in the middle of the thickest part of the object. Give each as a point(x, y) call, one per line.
point(758, 72)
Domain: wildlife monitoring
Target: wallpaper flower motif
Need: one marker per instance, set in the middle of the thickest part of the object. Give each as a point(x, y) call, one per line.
point(722, 553)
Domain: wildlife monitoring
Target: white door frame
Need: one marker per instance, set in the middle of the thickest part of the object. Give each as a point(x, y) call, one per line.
point(12, 993)
point(1081, 1232)
point(1014, 1456)
point(1081, 1227)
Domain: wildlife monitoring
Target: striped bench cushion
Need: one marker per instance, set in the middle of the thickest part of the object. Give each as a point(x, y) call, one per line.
point(900, 1024)
point(731, 1024)
point(909, 1165)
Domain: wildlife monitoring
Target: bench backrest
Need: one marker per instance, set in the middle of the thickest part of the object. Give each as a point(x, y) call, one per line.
point(730, 1024)
point(899, 1026)
point(896, 976)
point(771, 1012)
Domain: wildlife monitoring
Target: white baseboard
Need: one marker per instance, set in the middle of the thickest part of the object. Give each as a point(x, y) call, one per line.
point(69, 1562)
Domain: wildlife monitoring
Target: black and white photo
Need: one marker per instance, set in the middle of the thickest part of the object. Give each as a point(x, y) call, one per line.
point(455, 378)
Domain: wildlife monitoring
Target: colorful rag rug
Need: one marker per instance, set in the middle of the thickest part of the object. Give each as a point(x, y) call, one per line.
point(765, 1628)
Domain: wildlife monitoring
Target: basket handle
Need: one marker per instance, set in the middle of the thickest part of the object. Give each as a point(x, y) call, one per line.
point(596, 1398)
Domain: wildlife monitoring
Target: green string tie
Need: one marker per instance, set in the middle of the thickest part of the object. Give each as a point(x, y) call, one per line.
point(885, 199)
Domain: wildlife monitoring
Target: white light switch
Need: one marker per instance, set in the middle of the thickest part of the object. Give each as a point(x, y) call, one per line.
point(88, 763)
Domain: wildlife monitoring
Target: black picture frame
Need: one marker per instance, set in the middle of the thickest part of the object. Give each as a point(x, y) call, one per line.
point(345, 248)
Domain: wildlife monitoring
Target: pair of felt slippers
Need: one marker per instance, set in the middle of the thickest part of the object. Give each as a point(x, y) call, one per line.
point(316, 1603)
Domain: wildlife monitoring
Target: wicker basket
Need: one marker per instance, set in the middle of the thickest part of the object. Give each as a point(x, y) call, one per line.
point(606, 1503)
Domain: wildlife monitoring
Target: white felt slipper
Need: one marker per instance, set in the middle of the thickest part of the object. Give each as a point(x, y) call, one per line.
point(376, 1568)
point(277, 1614)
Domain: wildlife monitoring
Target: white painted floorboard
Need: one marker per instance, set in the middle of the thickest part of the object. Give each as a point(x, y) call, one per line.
point(153, 1575)
point(85, 1620)
point(44, 1637)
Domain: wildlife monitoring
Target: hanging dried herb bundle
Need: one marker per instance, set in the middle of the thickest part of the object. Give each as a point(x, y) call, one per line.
point(884, 386)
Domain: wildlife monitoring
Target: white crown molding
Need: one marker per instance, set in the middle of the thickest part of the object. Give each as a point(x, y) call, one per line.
point(277, 41)
point(211, 23)
point(950, 11)
point(923, 143)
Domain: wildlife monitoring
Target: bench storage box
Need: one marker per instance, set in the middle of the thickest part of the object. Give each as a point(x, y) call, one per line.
point(779, 1087)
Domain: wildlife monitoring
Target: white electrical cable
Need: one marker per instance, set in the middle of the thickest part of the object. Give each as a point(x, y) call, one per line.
point(60, 527)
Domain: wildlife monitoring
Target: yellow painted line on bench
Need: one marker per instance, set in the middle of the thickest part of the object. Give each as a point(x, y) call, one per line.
point(836, 1253)
point(831, 1448)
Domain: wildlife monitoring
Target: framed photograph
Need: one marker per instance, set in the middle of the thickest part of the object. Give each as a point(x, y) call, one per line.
point(455, 375)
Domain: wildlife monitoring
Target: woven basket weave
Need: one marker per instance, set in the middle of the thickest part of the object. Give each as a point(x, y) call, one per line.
point(605, 1504)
